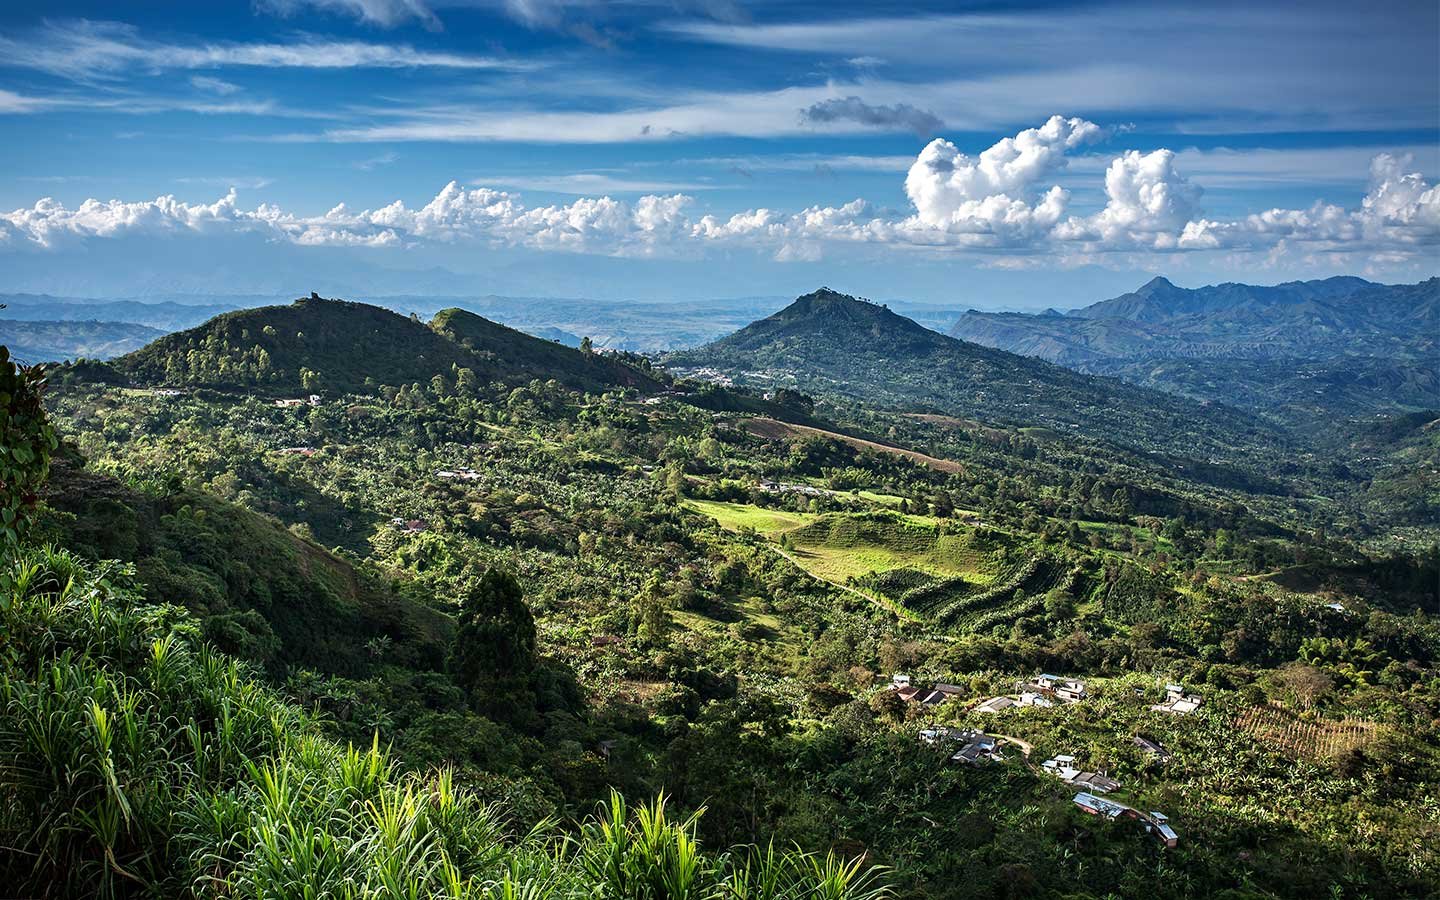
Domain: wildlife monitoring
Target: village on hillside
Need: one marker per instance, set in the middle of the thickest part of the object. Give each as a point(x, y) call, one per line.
point(974, 747)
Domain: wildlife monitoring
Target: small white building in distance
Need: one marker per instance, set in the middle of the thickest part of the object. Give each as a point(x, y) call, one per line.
point(1178, 701)
point(461, 473)
point(312, 400)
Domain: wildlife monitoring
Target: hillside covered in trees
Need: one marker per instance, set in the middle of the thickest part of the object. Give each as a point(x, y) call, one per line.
point(443, 635)
point(316, 344)
point(834, 344)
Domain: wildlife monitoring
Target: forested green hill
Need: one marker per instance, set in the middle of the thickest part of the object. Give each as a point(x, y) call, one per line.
point(335, 346)
point(520, 353)
point(832, 344)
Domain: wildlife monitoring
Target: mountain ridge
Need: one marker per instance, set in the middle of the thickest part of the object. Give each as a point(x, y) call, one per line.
point(316, 343)
point(835, 345)
point(1362, 337)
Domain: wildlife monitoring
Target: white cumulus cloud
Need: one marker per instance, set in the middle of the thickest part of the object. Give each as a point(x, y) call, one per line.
point(1148, 203)
point(994, 192)
point(996, 203)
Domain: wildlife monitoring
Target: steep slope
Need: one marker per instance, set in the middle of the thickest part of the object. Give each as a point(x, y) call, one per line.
point(259, 590)
point(516, 351)
point(830, 343)
point(316, 344)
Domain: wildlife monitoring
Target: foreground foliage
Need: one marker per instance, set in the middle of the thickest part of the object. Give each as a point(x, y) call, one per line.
point(138, 761)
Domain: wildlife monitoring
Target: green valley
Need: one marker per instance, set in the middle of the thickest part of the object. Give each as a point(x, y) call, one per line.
point(451, 626)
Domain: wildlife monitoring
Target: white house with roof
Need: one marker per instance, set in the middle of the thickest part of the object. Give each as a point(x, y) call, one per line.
point(1053, 687)
point(1178, 700)
point(971, 747)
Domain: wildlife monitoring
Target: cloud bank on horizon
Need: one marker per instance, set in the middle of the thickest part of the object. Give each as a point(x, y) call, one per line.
point(996, 203)
point(1244, 140)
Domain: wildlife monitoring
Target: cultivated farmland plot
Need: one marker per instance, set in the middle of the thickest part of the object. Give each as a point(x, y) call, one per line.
point(1302, 736)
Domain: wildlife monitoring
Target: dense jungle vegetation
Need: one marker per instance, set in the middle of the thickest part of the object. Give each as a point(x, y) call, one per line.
point(452, 630)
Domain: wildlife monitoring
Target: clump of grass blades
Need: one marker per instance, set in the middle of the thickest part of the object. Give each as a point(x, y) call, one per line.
point(137, 761)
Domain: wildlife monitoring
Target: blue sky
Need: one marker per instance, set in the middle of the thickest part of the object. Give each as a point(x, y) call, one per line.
point(996, 155)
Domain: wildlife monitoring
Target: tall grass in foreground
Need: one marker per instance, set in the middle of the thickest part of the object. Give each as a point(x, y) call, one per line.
point(137, 761)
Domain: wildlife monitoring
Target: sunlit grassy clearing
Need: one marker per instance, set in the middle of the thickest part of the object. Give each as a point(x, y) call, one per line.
point(946, 557)
point(734, 516)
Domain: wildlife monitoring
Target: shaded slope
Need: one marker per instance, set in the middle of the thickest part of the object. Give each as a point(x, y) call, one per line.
point(337, 346)
point(518, 352)
point(829, 343)
point(259, 590)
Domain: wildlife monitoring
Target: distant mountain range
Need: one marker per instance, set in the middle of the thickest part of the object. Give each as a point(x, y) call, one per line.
point(1336, 316)
point(1301, 351)
point(162, 315)
point(35, 342)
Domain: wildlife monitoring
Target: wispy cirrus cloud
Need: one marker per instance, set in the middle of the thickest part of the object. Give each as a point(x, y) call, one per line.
point(84, 50)
point(376, 162)
point(214, 85)
point(11, 103)
point(384, 13)
point(582, 183)
point(985, 102)
point(143, 104)
point(1255, 64)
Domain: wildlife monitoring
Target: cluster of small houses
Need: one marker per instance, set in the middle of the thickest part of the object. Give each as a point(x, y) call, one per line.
point(283, 403)
point(973, 747)
point(788, 487)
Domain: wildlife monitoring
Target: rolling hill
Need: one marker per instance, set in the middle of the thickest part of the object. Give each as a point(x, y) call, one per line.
point(315, 344)
point(517, 351)
point(834, 345)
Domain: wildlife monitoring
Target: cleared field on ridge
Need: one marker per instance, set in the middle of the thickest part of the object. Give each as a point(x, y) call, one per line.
point(837, 546)
point(735, 516)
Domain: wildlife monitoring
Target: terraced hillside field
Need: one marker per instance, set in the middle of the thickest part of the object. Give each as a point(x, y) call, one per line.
point(735, 516)
point(1018, 591)
point(967, 578)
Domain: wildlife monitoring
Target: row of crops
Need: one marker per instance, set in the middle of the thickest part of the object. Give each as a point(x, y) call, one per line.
point(962, 604)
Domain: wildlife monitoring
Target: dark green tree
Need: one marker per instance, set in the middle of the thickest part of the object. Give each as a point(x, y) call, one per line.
point(26, 442)
point(493, 655)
